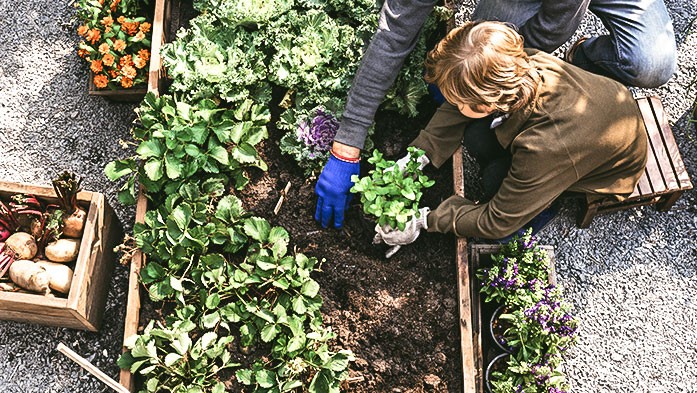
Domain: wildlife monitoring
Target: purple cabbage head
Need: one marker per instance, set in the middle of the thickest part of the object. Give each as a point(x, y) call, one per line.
point(318, 134)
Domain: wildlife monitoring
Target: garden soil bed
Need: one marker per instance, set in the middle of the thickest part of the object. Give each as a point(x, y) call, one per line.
point(398, 316)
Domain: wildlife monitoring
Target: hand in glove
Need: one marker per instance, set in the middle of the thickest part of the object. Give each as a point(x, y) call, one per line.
point(402, 162)
point(397, 238)
point(332, 190)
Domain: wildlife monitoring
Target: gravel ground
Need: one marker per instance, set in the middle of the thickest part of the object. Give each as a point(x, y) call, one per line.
point(632, 275)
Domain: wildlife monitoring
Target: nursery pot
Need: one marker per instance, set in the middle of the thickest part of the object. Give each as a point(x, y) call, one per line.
point(496, 329)
point(499, 363)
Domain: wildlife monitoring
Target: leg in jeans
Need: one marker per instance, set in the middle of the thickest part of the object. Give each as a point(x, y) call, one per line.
point(515, 12)
point(640, 50)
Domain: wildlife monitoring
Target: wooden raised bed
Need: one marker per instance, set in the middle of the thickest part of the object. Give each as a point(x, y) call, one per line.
point(155, 74)
point(84, 306)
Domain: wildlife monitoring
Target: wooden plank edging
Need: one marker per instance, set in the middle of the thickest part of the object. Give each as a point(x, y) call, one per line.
point(463, 285)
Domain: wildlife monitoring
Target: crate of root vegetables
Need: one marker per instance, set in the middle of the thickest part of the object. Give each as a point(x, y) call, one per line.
point(56, 253)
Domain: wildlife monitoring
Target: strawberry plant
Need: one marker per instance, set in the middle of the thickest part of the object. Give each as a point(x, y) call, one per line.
point(389, 193)
point(179, 141)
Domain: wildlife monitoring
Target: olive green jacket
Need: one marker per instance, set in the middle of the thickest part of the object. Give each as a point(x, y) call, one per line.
point(582, 132)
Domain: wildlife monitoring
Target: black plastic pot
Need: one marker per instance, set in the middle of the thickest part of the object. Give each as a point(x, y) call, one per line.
point(499, 363)
point(498, 338)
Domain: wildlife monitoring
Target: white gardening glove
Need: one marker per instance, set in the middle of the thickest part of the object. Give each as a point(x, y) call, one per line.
point(402, 162)
point(396, 238)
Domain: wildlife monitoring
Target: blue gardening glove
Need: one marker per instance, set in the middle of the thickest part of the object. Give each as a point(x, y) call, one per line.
point(332, 190)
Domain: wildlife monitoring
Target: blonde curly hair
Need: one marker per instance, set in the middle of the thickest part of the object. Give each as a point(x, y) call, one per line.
point(482, 64)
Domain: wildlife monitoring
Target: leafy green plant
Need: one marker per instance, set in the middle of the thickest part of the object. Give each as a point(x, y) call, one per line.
point(179, 141)
point(392, 194)
point(178, 360)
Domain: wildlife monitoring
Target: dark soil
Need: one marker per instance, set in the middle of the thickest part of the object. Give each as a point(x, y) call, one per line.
point(398, 316)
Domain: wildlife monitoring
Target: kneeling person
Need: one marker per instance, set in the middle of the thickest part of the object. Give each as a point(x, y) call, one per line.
point(558, 128)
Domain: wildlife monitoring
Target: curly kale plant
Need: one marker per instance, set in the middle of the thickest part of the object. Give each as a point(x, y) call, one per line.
point(180, 141)
point(211, 61)
point(392, 194)
point(309, 145)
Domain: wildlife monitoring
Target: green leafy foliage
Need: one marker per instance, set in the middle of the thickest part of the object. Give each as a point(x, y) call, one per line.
point(390, 194)
point(176, 359)
point(179, 141)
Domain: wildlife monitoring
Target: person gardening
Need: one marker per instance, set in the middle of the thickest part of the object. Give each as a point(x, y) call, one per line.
point(639, 51)
point(556, 128)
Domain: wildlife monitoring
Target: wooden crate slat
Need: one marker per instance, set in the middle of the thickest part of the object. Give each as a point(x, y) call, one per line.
point(670, 145)
point(661, 178)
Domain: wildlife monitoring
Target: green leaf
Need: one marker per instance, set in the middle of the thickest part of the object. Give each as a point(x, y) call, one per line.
point(244, 376)
point(127, 193)
point(310, 288)
point(268, 333)
point(257, 228)
point(212, 301)
point(211, 320)
point(153, 169)
point(207, 339)
point(265, 378)
point(182, 216)
point(173, 167)
point(172, 358)
point(119, 168)
point(150, 149)
point(220, 154)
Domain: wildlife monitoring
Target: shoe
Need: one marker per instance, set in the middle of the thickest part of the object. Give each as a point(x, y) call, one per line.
point(569, 55)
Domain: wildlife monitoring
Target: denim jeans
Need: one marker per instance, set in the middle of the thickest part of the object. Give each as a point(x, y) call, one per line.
point(639, 51)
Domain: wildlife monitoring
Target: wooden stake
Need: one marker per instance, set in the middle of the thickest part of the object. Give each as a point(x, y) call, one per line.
point(284, 192)
point(82, 362)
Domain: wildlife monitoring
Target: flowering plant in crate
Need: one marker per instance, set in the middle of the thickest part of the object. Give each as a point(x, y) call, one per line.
point(116, 42)
point(309, 145)
point(539, 323)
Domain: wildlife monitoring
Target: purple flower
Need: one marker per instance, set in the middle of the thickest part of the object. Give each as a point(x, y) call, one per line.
point(318, 134)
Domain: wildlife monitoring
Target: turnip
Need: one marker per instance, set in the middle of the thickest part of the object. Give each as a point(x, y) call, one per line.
point(67, 185)
point(23, 244)
point(30, 276)
point(61, 275)
point(62, 250)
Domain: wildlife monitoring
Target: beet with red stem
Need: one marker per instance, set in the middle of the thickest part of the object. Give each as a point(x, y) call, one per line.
point(67, 185)
point(6, 259)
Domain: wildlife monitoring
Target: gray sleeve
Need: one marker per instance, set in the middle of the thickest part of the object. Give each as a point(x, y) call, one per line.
point(398, 28)
point(555, 22)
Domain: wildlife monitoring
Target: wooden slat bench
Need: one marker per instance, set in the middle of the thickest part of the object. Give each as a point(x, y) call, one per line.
point(664, 178)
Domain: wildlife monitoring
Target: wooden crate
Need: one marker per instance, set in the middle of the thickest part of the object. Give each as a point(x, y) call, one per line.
point(484, 349)
point(84, 306)
point(156, 74)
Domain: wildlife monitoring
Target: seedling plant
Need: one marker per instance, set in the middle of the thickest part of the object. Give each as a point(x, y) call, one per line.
point(391, 194)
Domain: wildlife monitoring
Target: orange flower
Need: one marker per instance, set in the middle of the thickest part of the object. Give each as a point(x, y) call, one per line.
point(104, 48)
point(129, 28)
point(119, 45)
point(121, 19)
point(101, 2)
point(126, 82)
point(126, 61)
point(140, 62)
point(82, 53)
point(93, 36)
point(108, 60)
point(107, 21)
point(96, 66)
point(128, 71)
point(82, 30)
point(144, 54)
point(107, 30)
point(100, 81)
point(113, 73)
point(145, 27)
point(114, 4)
point(140, 36)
